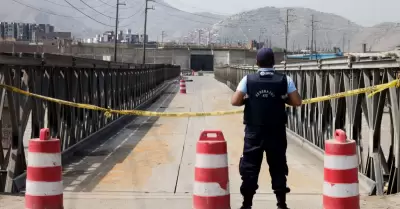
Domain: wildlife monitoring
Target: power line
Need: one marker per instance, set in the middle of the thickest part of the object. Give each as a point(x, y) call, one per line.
point(186, 11)
point(206, 10)
point(41, 10)
point(142, 12)
point(135, 13)
point(62, 5)
point(115, 6)
point(96, 9)
point(49, 12)
point(88, 15)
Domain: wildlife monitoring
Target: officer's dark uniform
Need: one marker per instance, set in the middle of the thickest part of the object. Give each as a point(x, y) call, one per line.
point(265, 118)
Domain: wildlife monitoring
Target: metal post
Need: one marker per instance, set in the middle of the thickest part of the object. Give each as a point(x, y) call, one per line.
point(199, 37)
point(145, 30)
point(116, 31)
point(286, 31)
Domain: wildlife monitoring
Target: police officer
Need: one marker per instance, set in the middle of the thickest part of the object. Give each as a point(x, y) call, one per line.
point(264, 95)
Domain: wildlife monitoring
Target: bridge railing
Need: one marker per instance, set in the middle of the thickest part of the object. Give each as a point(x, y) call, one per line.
point(373, 122)
point(100, 83)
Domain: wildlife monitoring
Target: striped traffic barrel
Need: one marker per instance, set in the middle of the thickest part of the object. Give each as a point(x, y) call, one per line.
point(211, 185)
point(44, 187)
point(341, 188)
point(182, 85)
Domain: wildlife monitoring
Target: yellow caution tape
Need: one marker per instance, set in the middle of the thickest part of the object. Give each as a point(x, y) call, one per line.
point(108, 111)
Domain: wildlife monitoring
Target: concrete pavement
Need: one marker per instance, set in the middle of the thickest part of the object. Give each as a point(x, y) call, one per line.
point(149, 164)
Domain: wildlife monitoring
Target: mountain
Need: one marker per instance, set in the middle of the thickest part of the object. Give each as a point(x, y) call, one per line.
point(381, 37)
point(331, 30)
point(266, 23)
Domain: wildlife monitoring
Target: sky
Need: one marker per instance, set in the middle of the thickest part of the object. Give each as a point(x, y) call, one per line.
point(363, 12)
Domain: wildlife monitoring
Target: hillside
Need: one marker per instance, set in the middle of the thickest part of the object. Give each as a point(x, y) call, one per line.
point(330, 30)
point(378, 38)
point(269, 23)
point(260, 24)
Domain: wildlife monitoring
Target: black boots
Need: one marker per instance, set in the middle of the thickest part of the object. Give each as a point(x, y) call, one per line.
point(281, 199)
point(247, 202)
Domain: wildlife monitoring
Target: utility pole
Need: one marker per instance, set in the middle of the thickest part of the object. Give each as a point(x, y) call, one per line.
point(209, 37)
point(145, 30)
point(116, 30)
point(199, 37)
point(348, 39)
point(293, 46)
point(312, 34)
point(343, 42)
point(162, 36)
point(287, 32)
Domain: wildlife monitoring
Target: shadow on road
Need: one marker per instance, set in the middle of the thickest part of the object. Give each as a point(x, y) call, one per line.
point(91, 165)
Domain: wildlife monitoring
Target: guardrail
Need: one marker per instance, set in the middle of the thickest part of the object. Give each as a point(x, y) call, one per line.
point(105, 84)
point(373, 122)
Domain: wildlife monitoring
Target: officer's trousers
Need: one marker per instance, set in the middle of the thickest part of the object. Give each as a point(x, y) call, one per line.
point(271, 140)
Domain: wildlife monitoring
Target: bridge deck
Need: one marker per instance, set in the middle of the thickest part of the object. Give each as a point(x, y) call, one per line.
point(149, 163)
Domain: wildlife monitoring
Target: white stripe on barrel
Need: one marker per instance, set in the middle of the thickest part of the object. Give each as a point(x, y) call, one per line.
point(211, 161)
point(44, 188)
point(340, 162)
point(43, 159)
point(341, 188)
point(209, 189)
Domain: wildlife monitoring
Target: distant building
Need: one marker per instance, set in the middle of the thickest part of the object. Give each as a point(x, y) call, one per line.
point(131, 38)
point(45, 28)
point(39, 36)
point(122, 37)
point(144, 39)
point(22, 32)
point(2, 31)
point(11, 31)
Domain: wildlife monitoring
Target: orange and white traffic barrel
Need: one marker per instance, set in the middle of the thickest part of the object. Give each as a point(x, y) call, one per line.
point(182, 85)
point(211, 185)
point(341, 188)
point(44, 187)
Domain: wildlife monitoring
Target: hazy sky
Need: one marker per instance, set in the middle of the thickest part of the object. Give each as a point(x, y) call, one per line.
point(363, 12)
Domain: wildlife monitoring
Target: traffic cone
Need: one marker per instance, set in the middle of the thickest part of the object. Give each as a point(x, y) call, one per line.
point(44, 187)
point(341, 189)
point(182, 85)
point(211, 185)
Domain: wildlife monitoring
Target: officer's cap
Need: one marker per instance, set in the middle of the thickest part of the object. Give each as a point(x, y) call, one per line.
point(265, 56)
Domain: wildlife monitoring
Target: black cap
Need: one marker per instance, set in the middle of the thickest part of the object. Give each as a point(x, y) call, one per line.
point(265, 57)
